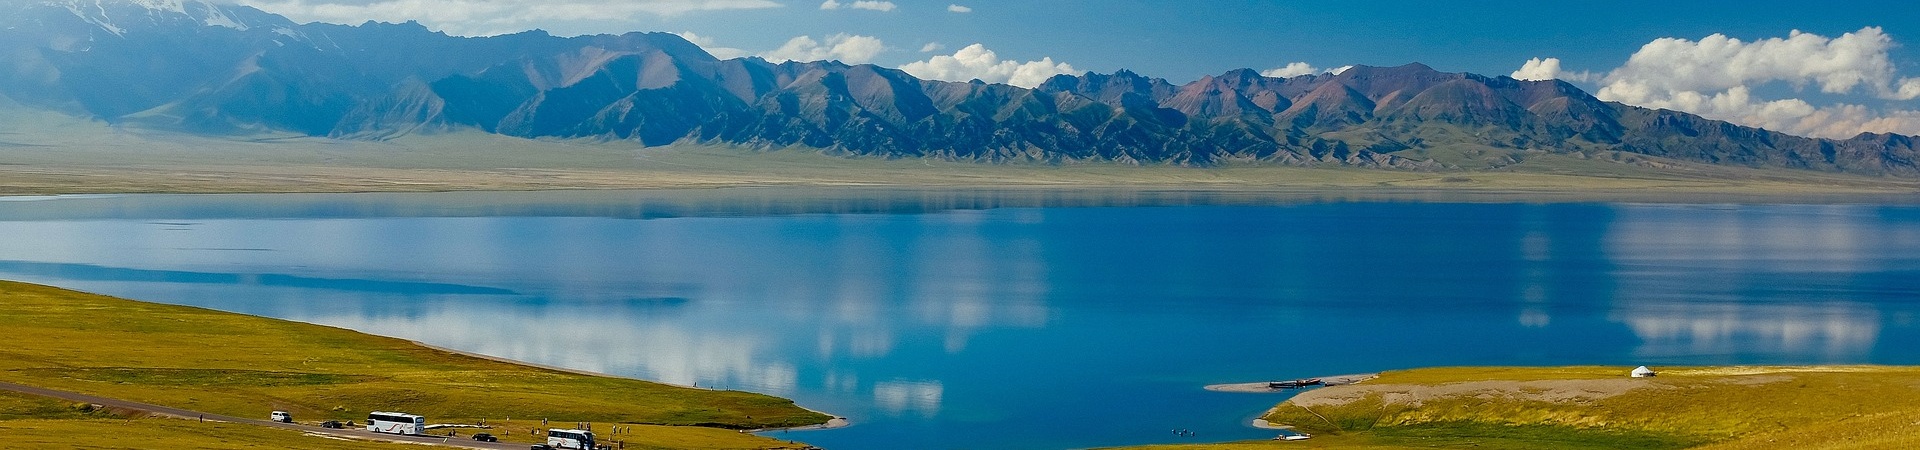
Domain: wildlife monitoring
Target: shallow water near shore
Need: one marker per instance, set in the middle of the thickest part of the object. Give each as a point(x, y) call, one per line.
point(1014, 319)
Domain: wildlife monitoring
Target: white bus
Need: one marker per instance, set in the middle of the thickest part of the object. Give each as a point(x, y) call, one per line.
point(396, 423)
point(570, 439)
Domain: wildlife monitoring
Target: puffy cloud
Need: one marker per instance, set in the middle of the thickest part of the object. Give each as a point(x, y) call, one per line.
point(1300, 68)
point(931, 47)
point(1539, 69)
point(1717, 63)
point(707, 43)
point(871, 5)
point(1291, 70)
point(847, 48)
point(959, 9)
point(1909, 89)
point(1716, 77)
point(977, 62)
point(487, 17)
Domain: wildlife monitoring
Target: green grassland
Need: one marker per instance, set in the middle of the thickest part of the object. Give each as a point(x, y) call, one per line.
point(46, 153)
point(245, 366)
point(1844, 407)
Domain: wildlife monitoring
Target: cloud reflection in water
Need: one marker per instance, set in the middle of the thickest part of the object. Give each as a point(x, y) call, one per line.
point(1711, 282)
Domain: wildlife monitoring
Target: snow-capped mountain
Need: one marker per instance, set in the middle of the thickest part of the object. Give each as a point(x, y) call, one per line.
point(200, 67)
point(119, 17)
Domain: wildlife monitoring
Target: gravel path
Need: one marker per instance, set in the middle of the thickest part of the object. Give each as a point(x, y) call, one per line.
point(350, 433)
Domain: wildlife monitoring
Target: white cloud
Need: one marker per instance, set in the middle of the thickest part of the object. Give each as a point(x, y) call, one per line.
point(871, 5)
point(1291, 70)
point(1300, 68)
point(932, 47)
point(1539, 69)
point(847, 48)
point(959, 9)
point(707, 43)
point(977, 62)
point(1856, 60)
point(1909, 89)
point(1716, 77)
point(488, 17)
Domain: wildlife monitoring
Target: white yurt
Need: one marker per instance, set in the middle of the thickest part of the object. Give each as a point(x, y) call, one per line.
point(1643, 372)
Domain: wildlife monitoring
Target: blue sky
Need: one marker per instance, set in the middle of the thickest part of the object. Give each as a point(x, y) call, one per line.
point(1182, 41)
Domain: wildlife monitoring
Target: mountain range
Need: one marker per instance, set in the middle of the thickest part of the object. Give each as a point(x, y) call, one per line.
point(205, 68)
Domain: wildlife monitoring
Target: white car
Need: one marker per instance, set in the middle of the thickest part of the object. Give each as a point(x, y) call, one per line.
point(1291, 435)
point(280, 416)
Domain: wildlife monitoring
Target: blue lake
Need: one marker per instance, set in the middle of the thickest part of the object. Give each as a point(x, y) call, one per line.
point(1012, 319)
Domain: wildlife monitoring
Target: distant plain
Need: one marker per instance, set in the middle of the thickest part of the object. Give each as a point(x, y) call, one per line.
point(48, 153)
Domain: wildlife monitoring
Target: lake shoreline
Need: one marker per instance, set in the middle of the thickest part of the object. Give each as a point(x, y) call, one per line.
point(1227, 194)
point(836, 422)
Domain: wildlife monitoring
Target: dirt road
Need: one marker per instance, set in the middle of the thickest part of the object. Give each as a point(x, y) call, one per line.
point(359, 433)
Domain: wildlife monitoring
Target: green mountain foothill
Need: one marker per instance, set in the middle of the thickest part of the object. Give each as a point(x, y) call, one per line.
point(244, 366)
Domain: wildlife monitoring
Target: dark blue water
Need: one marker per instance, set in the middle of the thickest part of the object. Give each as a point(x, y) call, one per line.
point(1013, 319)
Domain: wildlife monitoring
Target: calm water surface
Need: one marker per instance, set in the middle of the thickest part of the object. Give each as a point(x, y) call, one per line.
point(939, 320)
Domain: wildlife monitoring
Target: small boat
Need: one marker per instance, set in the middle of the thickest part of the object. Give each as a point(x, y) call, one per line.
point(1295, 384)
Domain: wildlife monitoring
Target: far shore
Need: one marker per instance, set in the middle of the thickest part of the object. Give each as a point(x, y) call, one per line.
point(77, 158)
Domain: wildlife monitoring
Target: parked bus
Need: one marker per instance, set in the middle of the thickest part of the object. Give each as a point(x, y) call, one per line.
point(570, 439)
point(396, 423)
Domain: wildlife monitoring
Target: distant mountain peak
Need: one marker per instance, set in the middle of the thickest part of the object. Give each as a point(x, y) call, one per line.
point(196, 66)
point(118, 17)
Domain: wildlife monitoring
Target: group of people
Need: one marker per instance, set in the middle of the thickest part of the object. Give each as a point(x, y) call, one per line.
point(1182, 432)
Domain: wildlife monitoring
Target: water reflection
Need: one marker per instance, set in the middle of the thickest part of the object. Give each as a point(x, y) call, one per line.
point(1713, 283)
point(920, 398)
point(1831, 332)
point(980, 319)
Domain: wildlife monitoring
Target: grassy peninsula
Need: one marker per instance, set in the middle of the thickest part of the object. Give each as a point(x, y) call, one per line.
point(245, 366)
point(1717, 408)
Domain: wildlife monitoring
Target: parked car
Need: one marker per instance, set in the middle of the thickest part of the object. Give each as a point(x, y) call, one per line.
point(280, 416)
point(334, 424)
point(483, 437)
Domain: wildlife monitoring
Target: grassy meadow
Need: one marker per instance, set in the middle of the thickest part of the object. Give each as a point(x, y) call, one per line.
point(246, 366)
point(1838, 407)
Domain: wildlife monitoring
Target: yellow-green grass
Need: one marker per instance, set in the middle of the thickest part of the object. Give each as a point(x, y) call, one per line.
point(28, 421)
point(246, 366)
point(1821, 407)
point(151, 433)
point(38, 422)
